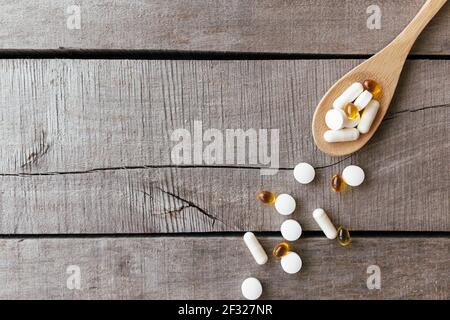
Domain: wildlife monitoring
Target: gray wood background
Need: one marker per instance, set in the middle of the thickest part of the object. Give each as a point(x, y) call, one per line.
point(322, 27)
point(86, 174)
point(214, 268)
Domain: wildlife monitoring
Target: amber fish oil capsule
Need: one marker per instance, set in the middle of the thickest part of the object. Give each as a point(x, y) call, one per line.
point(266, 197)
point(351, 111)
point(343, 236)
point(281, 249)
point(373, 87)
point(337, 183)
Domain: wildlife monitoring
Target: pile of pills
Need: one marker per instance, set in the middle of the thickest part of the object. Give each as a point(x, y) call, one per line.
point(353, 112)
point(291, 229)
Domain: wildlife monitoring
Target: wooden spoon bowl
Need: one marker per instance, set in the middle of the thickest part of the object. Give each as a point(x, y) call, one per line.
point(385, 68)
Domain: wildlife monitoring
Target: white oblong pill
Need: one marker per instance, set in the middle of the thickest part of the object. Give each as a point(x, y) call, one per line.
point(353, 175)
point(285, 204)
point(291, 263)
point(368, 116)
point(304, 173)
point(291, 230)
point(349, 95)
point(363, 100)
point(255, 248)
point(342, 135)
point(251, 288)
point(325, 223)
point(335, 119)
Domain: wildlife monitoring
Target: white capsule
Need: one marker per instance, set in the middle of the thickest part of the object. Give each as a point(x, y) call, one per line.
point(251, 288)
point(353, 175)
point(291, 262)
point(325, 223)
point(304, 173)
point(255, 248)
point(291, 230)
point(335, 119)
point(347, 134)
point(368, 116)
point(349, 95)
point(285, 204)
point(363, 100)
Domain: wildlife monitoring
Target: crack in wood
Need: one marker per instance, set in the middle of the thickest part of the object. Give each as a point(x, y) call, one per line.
point(190, 204)
point(394, 115)
point(44, 147)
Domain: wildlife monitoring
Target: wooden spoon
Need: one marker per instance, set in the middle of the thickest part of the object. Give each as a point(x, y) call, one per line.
point(385, 68)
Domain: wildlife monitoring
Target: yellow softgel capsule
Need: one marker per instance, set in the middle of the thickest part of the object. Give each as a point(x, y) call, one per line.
point(337, 184)
point(343, 236)
point(266, 197)
point(351, 111)
point(373, 87)
point(280, 250)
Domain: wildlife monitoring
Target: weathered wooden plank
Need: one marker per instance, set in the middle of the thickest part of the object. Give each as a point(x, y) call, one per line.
point(213, 268)
point(68, 127)
point(411, 196)
point(74, 115)
point(240, 26)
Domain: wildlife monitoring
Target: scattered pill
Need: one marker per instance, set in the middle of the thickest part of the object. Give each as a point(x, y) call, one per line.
point(291, 263)
point(251, 288)
point(343, 236)
point(342, 135)
point(337, 183)
point(335, 119)
point(363, 100)
point(266, 197)
point(255, 248)
point(368, 116)
point(325, 223)
point(353, 175)
point(291, 230)
point(280, 250)
point(304, 173)
point(373, 87)
point(285, 204)
point(349, 95)
point(351, 111)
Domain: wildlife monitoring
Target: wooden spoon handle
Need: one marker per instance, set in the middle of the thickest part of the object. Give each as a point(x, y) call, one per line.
point(423, 17)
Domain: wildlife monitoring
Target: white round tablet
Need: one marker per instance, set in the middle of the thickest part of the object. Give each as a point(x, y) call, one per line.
point(353, 175)
point(304, 173)
point(285, 204)
point(291, 263)
point(251, 288)
point(291, 230)
point(335, 119)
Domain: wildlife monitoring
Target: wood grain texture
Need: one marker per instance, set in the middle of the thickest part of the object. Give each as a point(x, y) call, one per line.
point(214, 268)
point(239, 26)
point(85, 147)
